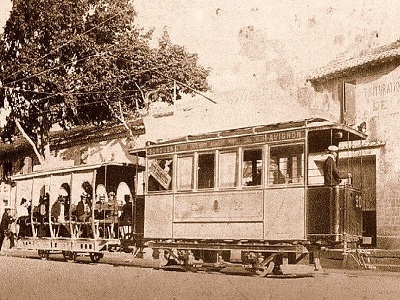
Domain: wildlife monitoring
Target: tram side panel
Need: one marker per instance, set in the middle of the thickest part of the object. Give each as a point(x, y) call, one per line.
point(218, 216)
point(284, 214)
point(205, 216)
point(158, 216)
point(271, 214)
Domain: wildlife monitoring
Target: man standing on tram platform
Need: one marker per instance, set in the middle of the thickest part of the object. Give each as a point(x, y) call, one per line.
point(332, 180)
point(331, 173)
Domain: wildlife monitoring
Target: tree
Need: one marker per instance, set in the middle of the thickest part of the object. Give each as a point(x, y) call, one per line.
point(84, 62)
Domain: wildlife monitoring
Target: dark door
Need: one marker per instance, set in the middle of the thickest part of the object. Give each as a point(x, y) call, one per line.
point(363, 171)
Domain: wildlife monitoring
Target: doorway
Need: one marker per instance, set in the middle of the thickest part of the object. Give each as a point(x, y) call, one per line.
point(363, 170)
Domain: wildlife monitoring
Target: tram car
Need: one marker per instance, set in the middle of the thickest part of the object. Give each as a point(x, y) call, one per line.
point(81, 210)
point(253, 196)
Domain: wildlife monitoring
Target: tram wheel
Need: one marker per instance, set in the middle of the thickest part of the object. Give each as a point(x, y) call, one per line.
point(69, 256)
point(44, 254)
point(95, 257)
point(264, 270)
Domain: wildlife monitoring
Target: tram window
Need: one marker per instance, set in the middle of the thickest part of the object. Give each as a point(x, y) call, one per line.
point(252, 167)
point(185, 173)
point(227, 170)
point(286, 164)
point(160, 174)
point(206, 167)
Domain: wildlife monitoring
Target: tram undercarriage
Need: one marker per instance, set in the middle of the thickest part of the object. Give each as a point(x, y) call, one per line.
point(254, 258)
point(70, 248)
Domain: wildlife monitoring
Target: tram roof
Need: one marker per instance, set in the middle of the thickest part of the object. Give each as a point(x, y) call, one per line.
point(354, 134)
point(64, 170)
point(312, 124)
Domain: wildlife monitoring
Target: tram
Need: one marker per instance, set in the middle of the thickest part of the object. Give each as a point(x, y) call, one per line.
point(253, 196)
point(80, 210)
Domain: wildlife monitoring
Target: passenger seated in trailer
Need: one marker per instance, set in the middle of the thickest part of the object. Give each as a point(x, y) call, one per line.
point(65, 192)
point(114, 212)
point(113, 203)
point(84, 208)
point(23, 218)
point(127, 211)
point(101, 211)
point(83, 213)
point(60, 212)
point(125, 221)
point(43, 215)
point(42, 212)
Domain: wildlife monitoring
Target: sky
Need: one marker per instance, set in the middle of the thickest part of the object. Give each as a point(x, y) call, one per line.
point(238, 38)
point(256, 47)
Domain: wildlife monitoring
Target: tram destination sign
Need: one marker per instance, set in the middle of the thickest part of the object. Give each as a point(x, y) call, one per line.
point(161, 150)
point(285, 135)
point(229, 142)
point(160, 175)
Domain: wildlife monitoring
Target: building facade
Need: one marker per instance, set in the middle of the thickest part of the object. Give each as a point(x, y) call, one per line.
point(364, 92)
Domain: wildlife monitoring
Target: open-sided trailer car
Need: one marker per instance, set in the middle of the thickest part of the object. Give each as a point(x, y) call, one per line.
point(53, 224)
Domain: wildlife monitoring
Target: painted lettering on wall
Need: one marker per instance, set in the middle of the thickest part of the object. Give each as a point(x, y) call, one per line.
point(381, 93)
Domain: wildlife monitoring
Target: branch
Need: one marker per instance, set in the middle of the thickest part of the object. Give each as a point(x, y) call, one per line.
point(24, 134)
point(121, 118)
point(141, 92)
point(123, 121)
point(145, 98)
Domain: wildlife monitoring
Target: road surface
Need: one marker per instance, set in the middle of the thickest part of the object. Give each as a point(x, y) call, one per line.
point(32, 278)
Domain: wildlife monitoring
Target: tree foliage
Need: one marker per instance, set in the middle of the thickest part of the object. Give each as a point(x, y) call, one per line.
point(77, 62)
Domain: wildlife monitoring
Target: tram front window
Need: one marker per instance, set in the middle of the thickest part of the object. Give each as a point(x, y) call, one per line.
point(252, 167)
point(206, 167)
point(160, 174)
point(285, 164)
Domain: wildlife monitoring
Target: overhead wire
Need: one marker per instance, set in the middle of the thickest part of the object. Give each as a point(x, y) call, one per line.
point(54, 94)
point(51, 69)
point(61, 93)
point(64, 44)
point(51, 110)
point(174, 79)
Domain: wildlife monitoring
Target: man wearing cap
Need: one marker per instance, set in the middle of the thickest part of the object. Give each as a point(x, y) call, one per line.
point(331, 173)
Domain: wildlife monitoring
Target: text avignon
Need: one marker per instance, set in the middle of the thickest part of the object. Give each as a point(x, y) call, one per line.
point(280, 136)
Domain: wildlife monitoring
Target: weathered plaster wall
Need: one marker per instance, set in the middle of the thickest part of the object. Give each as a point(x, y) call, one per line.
point(378, 104)
point(96, 152)
point(378, 99)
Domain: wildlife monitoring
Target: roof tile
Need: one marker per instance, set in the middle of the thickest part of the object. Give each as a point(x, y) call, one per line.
point(337, 67)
